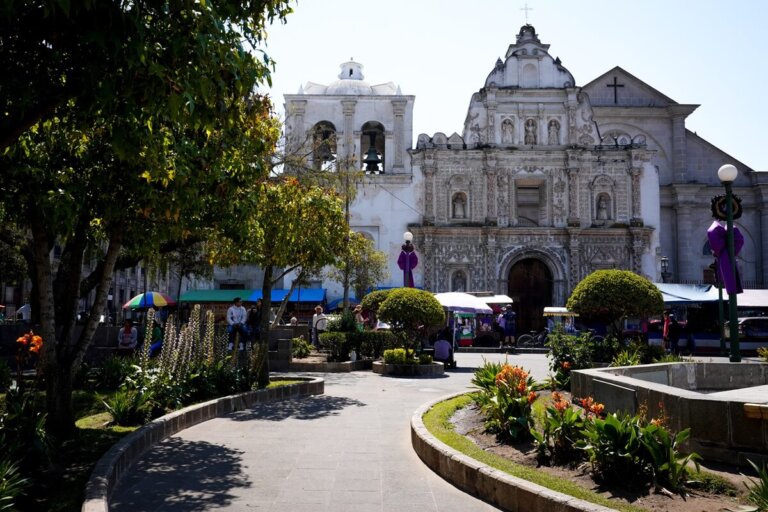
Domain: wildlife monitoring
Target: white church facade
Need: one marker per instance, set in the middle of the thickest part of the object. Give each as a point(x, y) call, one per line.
point(548, 181)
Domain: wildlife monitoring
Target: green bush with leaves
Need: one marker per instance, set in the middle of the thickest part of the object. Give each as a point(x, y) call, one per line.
point(336, 345)
point(300, 348)
point(12, 484)
point(371, 344)
point(669, 466)
point(396, 356)
point(372, 301)
point(506, 406)
point(613, 448)
point(763, 353)
point(484, 377)
point(128, 407)
point(562, 429)
point(758, 489)
point(412, 314)
point(630, 356)
point(610, 296)
point(113, 371)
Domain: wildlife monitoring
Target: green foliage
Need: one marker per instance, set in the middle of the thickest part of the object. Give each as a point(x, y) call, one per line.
point(396, 356)
point(301, 348)
point(335, 343)
point(506, 405)
point(113, 371)
point(484, 377)
point(763, 353)
point(568, 352)
point(562, 429)
point(612, 295)
point(372, 301)
point(670, 358)
point(661, 451)
point(23, 431)
point(366, 266)
point(630, 356)
point(5, 375)
point(758, 489)
point(371, 344)
point(128, 408)
point(425, 358)
point(613, 448)
point(12, 485)
point(411, 313)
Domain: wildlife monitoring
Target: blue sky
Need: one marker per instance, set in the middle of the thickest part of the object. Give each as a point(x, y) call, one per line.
point(706, 52)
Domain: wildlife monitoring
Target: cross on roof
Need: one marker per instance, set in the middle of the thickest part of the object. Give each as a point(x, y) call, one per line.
point(526, 9)
point(615, 86)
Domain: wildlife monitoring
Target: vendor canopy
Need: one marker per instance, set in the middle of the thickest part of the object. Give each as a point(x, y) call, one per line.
point(463, 303)
point(316, 295)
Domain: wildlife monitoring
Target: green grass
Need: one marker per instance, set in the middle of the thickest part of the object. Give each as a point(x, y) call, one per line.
point(437, 421)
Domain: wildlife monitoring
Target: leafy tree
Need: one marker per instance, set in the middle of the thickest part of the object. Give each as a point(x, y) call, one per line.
point(163, 59)
point(411, 313)
point(135, 128)
point(295, 226)
point(373, 301)
point(361, 264)
point(611, 296)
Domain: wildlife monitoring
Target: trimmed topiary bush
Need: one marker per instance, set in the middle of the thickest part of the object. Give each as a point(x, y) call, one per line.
point(371, 344)
point(335, 343)
point(610, 296)
point(411, 313)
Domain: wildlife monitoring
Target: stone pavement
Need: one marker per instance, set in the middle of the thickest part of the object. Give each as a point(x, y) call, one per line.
point(346, 450)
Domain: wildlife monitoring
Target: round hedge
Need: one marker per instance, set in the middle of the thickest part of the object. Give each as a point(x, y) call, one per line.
point(410, 310)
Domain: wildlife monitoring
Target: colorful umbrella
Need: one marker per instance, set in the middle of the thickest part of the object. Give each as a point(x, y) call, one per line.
point(149, 300)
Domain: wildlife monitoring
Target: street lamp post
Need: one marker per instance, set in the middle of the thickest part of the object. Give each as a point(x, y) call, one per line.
point(407, 260)
point(727, 174)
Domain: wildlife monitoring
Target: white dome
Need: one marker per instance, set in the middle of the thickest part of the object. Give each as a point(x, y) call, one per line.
point(349, 87)
point(351, 83)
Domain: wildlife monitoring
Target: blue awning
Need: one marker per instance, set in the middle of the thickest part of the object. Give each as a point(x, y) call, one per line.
point(316, 295)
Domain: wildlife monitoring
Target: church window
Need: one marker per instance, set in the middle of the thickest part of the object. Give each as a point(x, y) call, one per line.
point(324, 145)
point(372, 147)
point(459, 206)
point(529, 204)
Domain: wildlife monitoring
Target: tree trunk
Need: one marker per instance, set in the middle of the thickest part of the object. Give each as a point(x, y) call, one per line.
point(287, 297)
point(266, 312)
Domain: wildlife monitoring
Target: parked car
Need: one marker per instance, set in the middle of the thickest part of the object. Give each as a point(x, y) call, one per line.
point(751, 327)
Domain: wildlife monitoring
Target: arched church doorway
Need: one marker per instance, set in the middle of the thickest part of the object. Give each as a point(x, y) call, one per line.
point(530, 287)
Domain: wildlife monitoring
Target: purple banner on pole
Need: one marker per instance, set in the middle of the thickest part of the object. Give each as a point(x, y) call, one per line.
point(718, 241)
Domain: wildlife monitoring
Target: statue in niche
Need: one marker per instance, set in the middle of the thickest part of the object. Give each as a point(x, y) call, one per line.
point(603, 209)
point(530, 131)
point(459, 282)
point(459, 206)
point(507, 132)
point(553, 133)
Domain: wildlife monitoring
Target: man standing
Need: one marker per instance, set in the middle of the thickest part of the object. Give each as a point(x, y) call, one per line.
point(510, 325)
point(236, 316)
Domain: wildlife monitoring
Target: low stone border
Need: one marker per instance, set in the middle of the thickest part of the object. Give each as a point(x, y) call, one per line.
point(116, 462)
point(326, 367)
point(491, 485)
point(409, 370)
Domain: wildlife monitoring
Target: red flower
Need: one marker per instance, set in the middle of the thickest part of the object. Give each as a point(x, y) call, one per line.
point(566, 365)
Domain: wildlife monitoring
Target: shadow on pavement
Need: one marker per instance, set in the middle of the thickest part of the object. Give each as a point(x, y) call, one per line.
point(307, 408)
point(184, 475)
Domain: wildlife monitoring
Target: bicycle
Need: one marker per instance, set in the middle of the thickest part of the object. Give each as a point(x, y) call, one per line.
point(534, 339)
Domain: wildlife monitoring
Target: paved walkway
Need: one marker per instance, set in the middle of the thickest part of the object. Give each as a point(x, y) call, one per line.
point(346, 450)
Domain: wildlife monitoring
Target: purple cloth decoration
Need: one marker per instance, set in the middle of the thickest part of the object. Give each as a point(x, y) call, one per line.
point(718, 242)
point(407, 262)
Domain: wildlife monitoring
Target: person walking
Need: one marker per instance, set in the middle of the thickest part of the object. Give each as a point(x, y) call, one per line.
point(319, 321)
point(236, 316)
point(674, 334)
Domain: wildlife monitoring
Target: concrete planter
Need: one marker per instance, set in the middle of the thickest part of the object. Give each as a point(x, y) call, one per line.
point(409, 370)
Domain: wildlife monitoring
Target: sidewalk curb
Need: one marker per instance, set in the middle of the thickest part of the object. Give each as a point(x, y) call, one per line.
point(118, 460)
point(488, 484)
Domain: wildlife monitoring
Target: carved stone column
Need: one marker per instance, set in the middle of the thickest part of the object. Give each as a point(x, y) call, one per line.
point(503, 199)
point(513, 202)
point(348, 108)
point(574, 258)
point(490, 186)
point(398, 108)
point(637, 214)
point(573, 197)
point(429, 190)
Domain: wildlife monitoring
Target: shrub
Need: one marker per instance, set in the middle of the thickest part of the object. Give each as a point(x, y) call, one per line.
point(507, 408)
point(113, 372)
point(562, 428)
point(485, 376)
point(611, 295)
point(335, 343)
point(301, 348)
point(12, 484)
point(23, 434)
point(371, 344)
point(668, 466)
point(5, 376)
point(373, 300)
point(395, 356)
point(763, 353)
point(613, 448)
point(630, 356)
point(758, 490)
point(128, 407)
point(412, 313)
point(425, 359)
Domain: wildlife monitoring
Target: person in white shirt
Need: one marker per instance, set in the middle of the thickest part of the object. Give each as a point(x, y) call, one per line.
point(319, 321)
point(236, 316)
point(127, 338)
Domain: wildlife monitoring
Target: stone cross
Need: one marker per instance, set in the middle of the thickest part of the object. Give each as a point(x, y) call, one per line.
point(615, 86)
point(526, 9)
